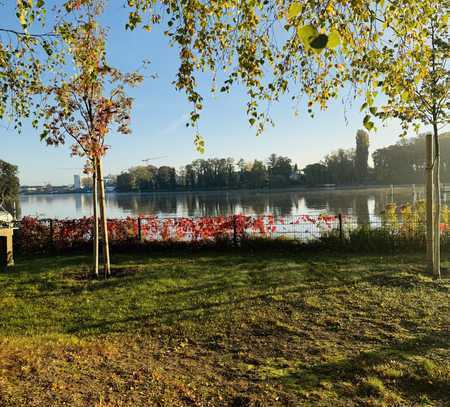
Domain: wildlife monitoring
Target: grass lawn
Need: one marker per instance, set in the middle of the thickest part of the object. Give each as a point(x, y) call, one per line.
point(225, 329)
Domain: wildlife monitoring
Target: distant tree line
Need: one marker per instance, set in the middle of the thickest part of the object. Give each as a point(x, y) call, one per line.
point(213, 173)
point(404, 162)
point(342, 167)
point(400, 163)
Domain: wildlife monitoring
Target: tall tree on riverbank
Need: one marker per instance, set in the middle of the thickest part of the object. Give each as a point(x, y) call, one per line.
point(406, 61)
point(9, 187)
point(362, 155)
point(84, 106)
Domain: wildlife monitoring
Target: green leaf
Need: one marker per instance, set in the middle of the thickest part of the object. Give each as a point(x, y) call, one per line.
point(368, 124)
point(373, 110)
point(306, 34)
point(333, 40)
point(294, 10)
point(199, 143)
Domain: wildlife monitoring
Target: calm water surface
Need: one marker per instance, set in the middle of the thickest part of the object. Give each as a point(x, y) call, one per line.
point(363, 203)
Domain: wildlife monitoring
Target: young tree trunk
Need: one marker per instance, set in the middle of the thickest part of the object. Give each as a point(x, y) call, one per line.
point(95, 226)
point(430, 202)
point(102, 203)
point(437, 198)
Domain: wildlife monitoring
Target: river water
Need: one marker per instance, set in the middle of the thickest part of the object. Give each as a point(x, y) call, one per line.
point(362, 203)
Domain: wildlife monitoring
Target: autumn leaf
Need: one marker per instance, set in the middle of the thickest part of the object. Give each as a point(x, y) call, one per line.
point(333, 40)
point(199, 143)
point(22, 16)
point(294, 10)
point(306, 34)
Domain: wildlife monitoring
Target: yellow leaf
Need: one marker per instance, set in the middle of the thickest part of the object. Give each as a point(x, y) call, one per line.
point(333, 40)
point(330, 9)
point(294, 10)
point(199, 143)
point(22, 18)
point(306, 34)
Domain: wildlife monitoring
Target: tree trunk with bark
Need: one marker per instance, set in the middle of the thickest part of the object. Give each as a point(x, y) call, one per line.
point(102, 203)
point(430, 202)
point(95, 216)
point(437, 199)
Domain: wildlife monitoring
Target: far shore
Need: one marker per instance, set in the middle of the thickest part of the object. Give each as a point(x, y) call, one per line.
point(419, 187)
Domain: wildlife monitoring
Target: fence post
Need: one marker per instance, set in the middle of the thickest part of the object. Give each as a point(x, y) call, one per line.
point(341, 236)
point(234, 231)
point(139, 229)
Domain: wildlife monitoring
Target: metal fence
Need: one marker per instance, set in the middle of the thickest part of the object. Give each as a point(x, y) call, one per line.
point(40, 234)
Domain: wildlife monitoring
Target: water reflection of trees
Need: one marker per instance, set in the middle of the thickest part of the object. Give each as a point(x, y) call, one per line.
point(256, 203)
point(361, 209)
point(216, 204)
point(279, 203)
point(206, 204)
point(135, 204)
point(345, 202)
point(167, 204)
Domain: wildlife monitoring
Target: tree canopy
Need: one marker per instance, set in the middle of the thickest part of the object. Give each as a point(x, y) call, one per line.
point(27, 51)
point(390, 52)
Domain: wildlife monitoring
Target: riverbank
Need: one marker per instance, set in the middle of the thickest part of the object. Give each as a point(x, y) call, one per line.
point(372, 187)
point(224, 329)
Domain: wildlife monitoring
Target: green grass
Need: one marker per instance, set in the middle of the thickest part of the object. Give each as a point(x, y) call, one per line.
point(225, 329)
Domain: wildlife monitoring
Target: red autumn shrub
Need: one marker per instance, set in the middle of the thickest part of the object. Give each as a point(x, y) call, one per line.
point(36, 235)
point(32, 235)
point(122, 230)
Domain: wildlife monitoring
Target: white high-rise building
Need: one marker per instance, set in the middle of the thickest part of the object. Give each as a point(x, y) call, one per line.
point(76, 181)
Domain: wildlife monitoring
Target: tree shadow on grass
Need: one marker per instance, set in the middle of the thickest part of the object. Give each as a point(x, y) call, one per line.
point(41, 264)
point(212, 284)
point(412, 382)
point(168, 316)
point(408, 282)
point(52, 277)
point(272, 293)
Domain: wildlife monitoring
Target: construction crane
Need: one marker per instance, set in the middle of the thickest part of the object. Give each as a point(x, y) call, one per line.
point(71, 169)
point(147, 160)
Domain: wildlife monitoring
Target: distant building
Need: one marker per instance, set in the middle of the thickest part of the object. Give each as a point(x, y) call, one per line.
point(24, 189)
point(76, 182)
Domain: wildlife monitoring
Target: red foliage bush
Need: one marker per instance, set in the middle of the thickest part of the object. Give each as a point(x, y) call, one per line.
point(37, 235)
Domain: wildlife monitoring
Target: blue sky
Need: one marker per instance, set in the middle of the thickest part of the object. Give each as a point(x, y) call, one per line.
point(159, 116)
